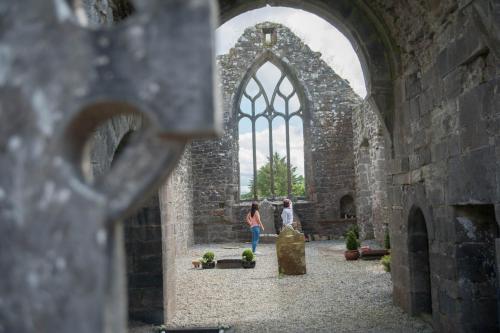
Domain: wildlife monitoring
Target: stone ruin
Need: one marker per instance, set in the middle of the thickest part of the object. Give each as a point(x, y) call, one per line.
point(423, 165)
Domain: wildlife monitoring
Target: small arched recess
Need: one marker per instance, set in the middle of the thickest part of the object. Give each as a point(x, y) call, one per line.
point(419, 263)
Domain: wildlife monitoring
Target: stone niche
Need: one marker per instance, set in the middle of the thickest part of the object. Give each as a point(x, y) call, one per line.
point(327, 104)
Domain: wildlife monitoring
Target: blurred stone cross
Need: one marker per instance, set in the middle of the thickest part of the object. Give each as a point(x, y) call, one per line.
point(60, 261)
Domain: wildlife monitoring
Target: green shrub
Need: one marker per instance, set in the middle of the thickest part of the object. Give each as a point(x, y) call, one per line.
point(351, 241)
point(355, 229)
point(248, 255)
point(161, 329)
point(209, 256)
point(386, 262)
point(387, 240)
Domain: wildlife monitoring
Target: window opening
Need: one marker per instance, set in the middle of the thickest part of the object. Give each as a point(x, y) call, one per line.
point(270, 136)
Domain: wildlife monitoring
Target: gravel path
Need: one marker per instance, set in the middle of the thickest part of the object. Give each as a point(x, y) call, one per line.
point(334, 295)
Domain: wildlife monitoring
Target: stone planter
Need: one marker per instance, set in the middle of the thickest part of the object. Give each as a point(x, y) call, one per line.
point(369, 254)
point(351, 255)
point(229, 263)
point(208, 265)
point(248, 264)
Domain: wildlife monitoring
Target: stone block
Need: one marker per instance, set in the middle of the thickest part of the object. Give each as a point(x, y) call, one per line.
point(461, 51)
point(447, 305)
point(472, 120)
point(150, 264)
point(413, 85)
point(145, 280)
point(471, 178)
point(290, 249)
point(453, 83)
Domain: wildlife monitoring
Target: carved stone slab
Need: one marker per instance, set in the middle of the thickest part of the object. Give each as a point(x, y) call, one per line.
point(266, 211)
point(290, 248)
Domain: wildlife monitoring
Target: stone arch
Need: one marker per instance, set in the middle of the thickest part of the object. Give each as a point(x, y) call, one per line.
point(419, 263)
point(142, 237)
point(376, 51)
point(268, 56)
point(347, 207)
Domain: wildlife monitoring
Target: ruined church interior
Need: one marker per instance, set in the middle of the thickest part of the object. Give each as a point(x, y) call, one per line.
point(132, 144)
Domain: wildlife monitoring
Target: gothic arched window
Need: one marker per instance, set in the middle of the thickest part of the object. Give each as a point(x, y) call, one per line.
point(270, 125)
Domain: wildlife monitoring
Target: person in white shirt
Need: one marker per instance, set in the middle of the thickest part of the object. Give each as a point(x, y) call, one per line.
point(287, 214)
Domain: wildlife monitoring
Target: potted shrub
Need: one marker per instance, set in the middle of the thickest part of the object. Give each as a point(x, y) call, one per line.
point(207, 261)
point(386, 262)
point(161, 329)
point(248, 259)
point(355, 229)
point(352, 245)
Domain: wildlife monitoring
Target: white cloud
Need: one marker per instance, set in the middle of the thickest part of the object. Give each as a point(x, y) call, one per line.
point(320, 35)
point(262, 151)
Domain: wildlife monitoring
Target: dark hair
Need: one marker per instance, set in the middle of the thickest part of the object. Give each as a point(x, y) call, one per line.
point(286, 203)
point(255, 207)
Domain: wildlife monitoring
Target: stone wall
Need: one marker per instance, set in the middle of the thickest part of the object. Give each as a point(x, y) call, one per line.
point(176, 206)
point(143, 248)
point(433, 69)
point(371, 181)
point(327, 102)
point(156, 232)
point(446, 157)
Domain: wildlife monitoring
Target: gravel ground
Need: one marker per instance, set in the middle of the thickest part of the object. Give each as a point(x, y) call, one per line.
point(334, 296)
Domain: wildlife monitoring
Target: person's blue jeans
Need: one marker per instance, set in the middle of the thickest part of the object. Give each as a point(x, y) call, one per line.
point(255, 237)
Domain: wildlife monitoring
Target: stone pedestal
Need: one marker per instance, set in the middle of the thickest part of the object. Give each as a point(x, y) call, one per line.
point(290, 248)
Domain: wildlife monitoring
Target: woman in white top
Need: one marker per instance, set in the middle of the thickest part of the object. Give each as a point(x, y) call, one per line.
point(287, 214)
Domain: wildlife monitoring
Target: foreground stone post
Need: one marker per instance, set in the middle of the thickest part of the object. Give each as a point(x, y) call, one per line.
point(290, 248)
point(61, 252)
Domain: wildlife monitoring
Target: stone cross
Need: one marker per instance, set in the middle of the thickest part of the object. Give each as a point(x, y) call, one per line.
point(61, 262)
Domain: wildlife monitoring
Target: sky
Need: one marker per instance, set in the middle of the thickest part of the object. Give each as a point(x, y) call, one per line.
point(320, 36)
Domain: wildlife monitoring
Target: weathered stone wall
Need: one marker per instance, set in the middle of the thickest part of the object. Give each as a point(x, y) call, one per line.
point(327, 101)
point(446, 156)
point(443, 157)
point(176, 206)
point(214, 188)
point(156, 232)
point(370, 165)
point(143, 248)
point(142, 229)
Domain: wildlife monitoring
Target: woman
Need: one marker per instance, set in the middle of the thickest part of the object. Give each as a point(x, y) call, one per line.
point(253, 220)
point(287, 214)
